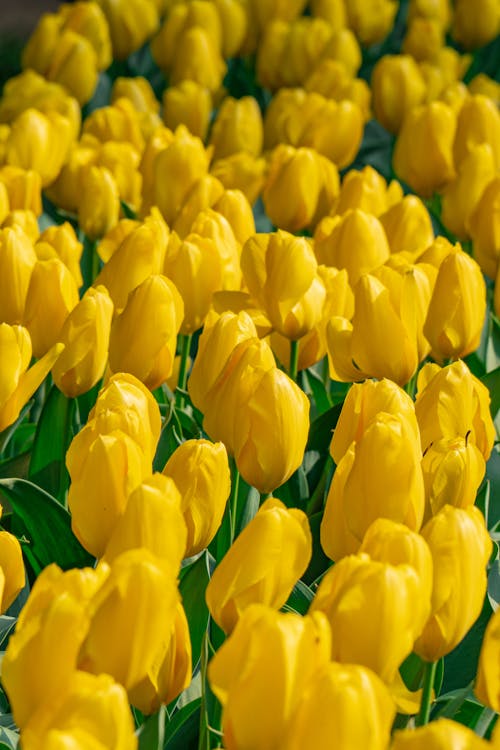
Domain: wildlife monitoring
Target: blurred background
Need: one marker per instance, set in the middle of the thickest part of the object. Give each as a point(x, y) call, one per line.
point(18, 18)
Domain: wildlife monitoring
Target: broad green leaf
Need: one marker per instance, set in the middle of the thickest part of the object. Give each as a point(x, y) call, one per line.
point(321, 429)
point(492, 381)
point(317, 389)
point(460, 666)
point(494, 585)
point(249, 502)
point(319, 563)
point(17, 466)
point(44, 527)
point(8, 738)
point(7, 625)
point(300, 599)
point(493, 478)
point(193, 583)
point(52, 439)
point(152, 732)
point(181, 732)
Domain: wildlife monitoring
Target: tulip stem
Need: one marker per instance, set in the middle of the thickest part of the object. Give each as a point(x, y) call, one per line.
point(234, 501)
point(425, 704)
point(294, 360)
point(185, 342)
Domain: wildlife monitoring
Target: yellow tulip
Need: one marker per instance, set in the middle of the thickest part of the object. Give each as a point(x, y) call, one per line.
point(91, 709)
point(198, 59)
point(63, 239)
point(243, 172)
point(153, 316)
point(138, 90)
point(475, 26)
point(371, 21)
point(99, 206)
point(12, 568)
point(249, 573)
point(90, 22)
point(18, 383)
point(262, 670)
point(24, 188)
point(487, 687)
point(439, 734)
point(85, 335)
point(485, 229)
point(397, 87)
point(237, 127)
point(190, 104)
point(17, 260)
point(119, 121)
point(131, 23)
point(200, 470)
point(408, 225)
point(460, 546)
point(236, 208)
point(367, 190)
point(478, 122)
point(152, 520)
point(378, 477)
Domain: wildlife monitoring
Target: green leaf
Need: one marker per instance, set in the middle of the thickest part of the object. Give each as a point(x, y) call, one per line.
point(249, 507)
point(320, 395)
point(193, 583)
point(321, 429)
point(492, 381)
point(152, 732)
point(300, 599)
point(494, 584)
point(460, 666)
point(181, 732)
point(8, 738)
point(44, 526)
point(319, 563)
point(52, 439)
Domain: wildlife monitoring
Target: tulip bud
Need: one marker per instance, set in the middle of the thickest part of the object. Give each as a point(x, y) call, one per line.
point(63, 239)
point(460, 547)
point(152, 520)
point(236, 208)
point(41, 656)
point(364, 488)
point(74, 65)
point(18, 382)
point(198, 59)
point(190, 104)
point(237, 127)
point(475, 26)
point(299, 170)
point(356, 241)
point(248, 573)
point(424, 39)
point(485, 229)
point(440, 391)
point(131, 23)
point(91, 709)
point(139, 595)
point(17, 260)
point(397, 87)
point(243, 172)
point(423, 155)
point(439, 734)
point(358, 586)
point(138, 90)
point(371, 21)
point(483, 84)
point(200, 470)
point(151, 361)
point(24, 188)
point(457, 308)
point(12, 567)
point(478, 122)
point(361, 406)
point(368, 191)
point(408, 226)
point(85, 335)
point(99, 206)
point(212, 225)
point(52, 295)
point(265, 686)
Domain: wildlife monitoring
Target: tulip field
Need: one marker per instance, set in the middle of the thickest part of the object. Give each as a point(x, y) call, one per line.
point(250, 377)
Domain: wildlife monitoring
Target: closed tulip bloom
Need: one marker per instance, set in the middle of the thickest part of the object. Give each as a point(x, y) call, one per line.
point(138, 90)
point(345, 701)
point(17, 260)
point(25, 220)
point(104, 469)
point(119, 121)
point(18, 383)
point(190, 104)
point(340, 143)
point(243, 172)
point(351, 591)
point(460, 547)
point(271, 431)
point(52, 294)
point(154, 308)
point(126, 404)
point(198, 59)
point(41, 44)
point(195, 267)
point(475, 29)
point(397, 87)
point(362, 404)
point(213, 225)
point(200, 470)
point(487, 687)
point(262, 670)
point(424, 38)
point(440, 734)
point(371, 21)
point(63, 239)
point(356, 241)
point(298, 169)
point(181, 18)
point(152, 520)
point(85, 335)
point(130, 24)
point(74, 65)
point(202, 195)
point(478, 122)
point(122, 160)
point(428, 130)
point(293, 299)
point(12, 567)
point(92, 711)
point(90, 22)
point(378, 476)
point(216, 344)
point(408, 225)
point(453, 469)
point(484, 84)
point(99, 206)
point(249, 574)
point(485, 229)
point(176, 169)
point(367, 190)
point(237, 127)
point(461, 196)
point(138, 256)
point(236, 208)
point(42, 654)
point(438, 414)
point(457, 308)
point(139, 595)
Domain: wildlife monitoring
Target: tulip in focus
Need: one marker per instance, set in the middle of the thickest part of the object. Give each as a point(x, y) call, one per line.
point(12, 575)
point(263, 564)
point(99, 206)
